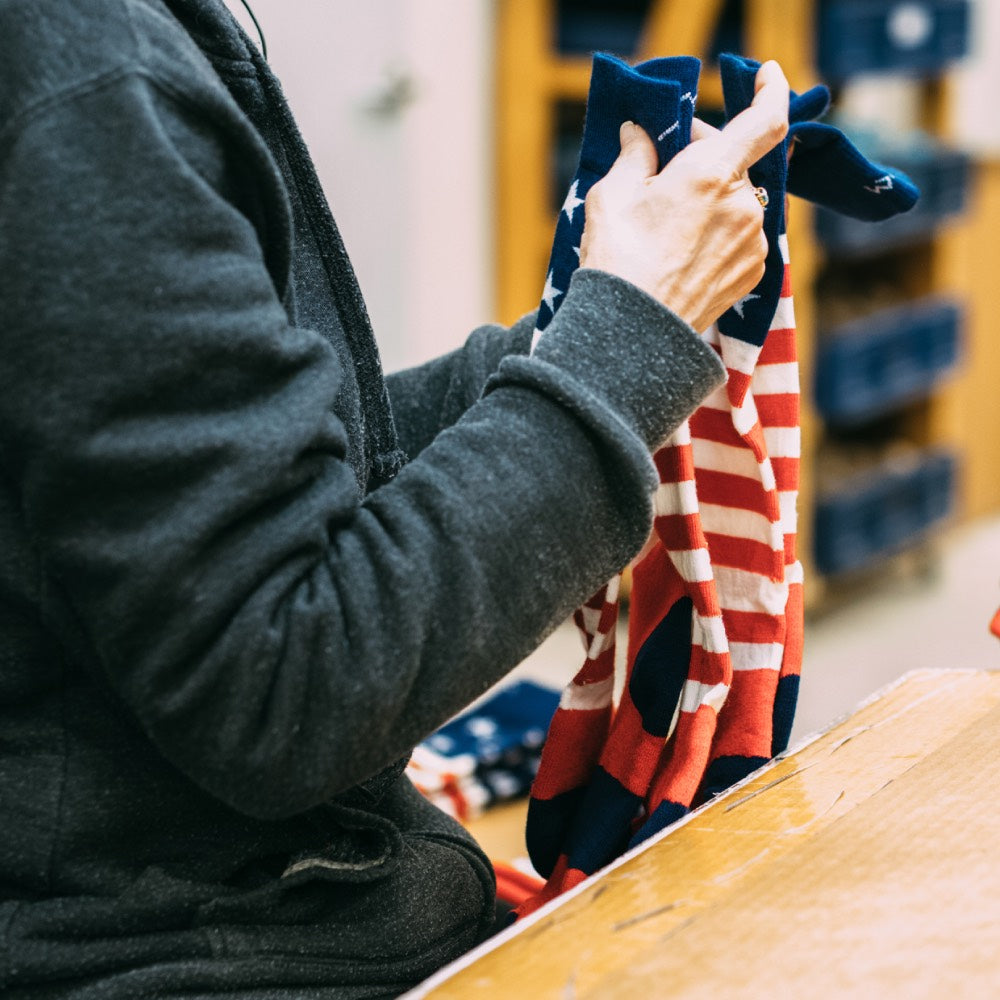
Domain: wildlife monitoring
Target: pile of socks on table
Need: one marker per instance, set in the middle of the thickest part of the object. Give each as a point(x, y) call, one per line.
point(488, 754)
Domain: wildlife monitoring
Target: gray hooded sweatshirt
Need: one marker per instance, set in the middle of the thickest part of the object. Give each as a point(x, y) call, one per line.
point(241, 573)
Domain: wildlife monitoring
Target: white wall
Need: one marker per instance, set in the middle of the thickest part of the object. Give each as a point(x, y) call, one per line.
point(977, 121)
point(394, 100)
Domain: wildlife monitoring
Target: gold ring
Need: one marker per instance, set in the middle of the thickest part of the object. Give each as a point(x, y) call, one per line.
point(761, 195)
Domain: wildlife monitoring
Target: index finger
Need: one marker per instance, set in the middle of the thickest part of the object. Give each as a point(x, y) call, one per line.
point(753, 133)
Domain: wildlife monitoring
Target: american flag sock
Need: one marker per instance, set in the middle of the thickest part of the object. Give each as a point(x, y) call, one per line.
point(715, 626)
point(683, 555)
point(766, 640)
point(731, 543)
point(658, 95)
point(747, 446)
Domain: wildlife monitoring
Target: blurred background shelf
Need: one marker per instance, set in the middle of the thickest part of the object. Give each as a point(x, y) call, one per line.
point(894, 319)
point(860, 36)
point(943, 176)
point(889, 506)
point(872, 365)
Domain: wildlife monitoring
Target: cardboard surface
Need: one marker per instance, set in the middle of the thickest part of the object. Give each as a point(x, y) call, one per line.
point(863, 864)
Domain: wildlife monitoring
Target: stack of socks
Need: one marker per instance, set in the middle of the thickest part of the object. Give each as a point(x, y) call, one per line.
point(715, 625)
point(488, 754)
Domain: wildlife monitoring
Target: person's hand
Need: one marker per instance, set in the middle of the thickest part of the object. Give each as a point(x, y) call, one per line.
point(691, 235)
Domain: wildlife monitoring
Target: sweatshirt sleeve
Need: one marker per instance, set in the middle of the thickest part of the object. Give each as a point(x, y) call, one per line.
point(185, 482)
point(429, 397)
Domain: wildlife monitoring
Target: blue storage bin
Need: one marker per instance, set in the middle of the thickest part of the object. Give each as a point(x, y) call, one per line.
point(864, 36)
point(854, 36)
point(585, 26)
point(882, 511)
point(943, 177)
point(938, 487)
point(870, 366)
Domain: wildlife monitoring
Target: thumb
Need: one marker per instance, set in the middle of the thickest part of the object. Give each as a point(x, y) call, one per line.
point(638, 154)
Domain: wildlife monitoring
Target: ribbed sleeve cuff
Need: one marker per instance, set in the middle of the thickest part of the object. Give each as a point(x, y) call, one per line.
point(658, 95)
point(626, 352)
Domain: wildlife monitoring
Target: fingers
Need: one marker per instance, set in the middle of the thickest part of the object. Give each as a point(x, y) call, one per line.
point(756, 131)
point(638, 155)
point(702, 130)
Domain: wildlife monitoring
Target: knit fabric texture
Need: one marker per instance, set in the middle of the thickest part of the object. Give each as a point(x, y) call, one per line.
point(716, 617)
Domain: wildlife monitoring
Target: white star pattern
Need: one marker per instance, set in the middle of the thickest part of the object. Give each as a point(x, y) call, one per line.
point(738, 307)
point(571, 202)
point(550, 293)
point(576, 250)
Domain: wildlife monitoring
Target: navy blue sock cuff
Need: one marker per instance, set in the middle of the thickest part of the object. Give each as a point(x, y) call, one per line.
point(738, 76)
point(650, 95)
point(741, 73)
point(685, 70)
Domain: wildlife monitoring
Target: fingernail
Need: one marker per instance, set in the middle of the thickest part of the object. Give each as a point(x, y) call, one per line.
point(626, 132)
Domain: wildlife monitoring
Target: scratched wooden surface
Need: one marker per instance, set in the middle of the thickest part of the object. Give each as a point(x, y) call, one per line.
point(864, 864)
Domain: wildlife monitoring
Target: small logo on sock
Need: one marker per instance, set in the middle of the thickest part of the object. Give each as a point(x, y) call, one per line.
point(667, 131)
point(882, 184)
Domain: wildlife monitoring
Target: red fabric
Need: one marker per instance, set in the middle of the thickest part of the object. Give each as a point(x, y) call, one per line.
point(513, 885)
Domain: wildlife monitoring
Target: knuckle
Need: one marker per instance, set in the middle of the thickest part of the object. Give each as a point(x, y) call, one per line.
point(720, 174)
point(712, 178)
point(777, 128)
point(751, 215)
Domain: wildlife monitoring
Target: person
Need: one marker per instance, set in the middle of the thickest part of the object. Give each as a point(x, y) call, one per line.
point(243, 573)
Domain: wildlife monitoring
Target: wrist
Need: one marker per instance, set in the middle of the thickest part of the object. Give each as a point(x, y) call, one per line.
point(642, 359)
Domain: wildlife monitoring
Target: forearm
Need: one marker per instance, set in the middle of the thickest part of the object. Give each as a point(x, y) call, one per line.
point(429, 397)
point(185, 479)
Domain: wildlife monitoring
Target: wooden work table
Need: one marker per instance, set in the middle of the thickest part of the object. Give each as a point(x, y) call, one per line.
point(863, 864)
